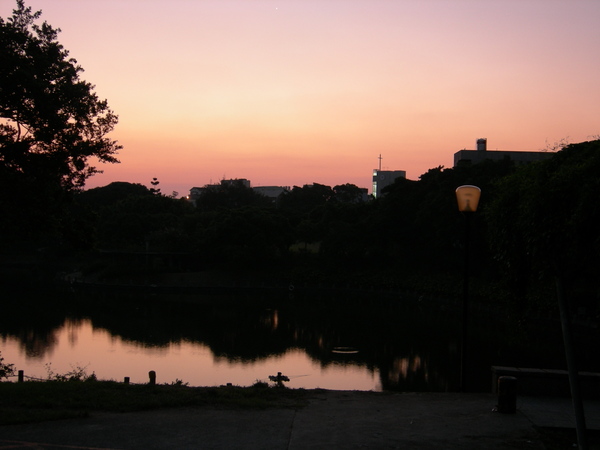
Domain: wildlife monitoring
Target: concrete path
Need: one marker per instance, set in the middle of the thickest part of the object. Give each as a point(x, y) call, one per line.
point(331, 420)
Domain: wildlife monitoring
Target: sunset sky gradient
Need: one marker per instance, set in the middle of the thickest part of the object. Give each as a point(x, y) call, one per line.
point(290, 92)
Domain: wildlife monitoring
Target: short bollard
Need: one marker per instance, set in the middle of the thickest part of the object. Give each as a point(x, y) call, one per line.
point(126, 380)
point(21, 376)
point(152, 375)
point(507, 395)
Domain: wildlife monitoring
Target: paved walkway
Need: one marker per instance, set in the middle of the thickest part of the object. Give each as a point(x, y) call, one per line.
point(557, 412)
point(331, 420)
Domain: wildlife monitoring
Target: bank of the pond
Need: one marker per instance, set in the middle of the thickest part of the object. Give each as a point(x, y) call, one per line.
point(33, 401)
point(310, 419)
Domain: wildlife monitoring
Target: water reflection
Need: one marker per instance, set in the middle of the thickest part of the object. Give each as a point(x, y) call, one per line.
point(336, 343)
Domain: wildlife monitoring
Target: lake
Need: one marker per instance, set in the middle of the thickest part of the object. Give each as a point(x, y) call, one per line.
point(340, 341)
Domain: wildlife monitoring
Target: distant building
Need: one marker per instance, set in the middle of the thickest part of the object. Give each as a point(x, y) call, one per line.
point(236, 181)
point(383, 178)
point(196, 192)
point(272, 192)
point(482, 154)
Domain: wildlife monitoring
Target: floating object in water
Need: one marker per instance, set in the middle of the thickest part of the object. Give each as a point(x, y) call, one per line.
point(344, 350)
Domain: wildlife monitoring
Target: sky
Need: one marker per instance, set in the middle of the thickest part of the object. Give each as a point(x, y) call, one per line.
point(293, 92)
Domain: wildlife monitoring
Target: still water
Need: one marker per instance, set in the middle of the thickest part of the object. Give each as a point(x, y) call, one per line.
point(340, 342)
point(78, 344)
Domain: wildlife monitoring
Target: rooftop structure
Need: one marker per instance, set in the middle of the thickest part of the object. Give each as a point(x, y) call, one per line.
point(482, 154)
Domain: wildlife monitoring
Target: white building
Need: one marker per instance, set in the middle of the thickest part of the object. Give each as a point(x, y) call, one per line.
point(383, 178)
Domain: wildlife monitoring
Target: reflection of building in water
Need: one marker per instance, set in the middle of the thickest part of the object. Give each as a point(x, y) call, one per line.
point(406, 367)
point(270, 319)
point(415, 373)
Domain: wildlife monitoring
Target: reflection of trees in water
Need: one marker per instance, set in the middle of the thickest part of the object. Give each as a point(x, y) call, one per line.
point(34, 318)
point(35, 343)
point(250, 328)
point(241, 331)
point(406, 342)
point(412, 345)
point(247, 329)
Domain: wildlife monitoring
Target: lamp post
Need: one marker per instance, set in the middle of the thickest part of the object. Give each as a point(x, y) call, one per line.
point(467, 197)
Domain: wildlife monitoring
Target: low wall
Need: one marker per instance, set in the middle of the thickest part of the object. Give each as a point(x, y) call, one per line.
point(548, 382)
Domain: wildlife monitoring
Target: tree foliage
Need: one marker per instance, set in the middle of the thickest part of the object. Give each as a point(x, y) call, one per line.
point(348, 193)
point(52, 126)
point(532, 221)
point(155, 189)
point(228, 195)
point(52, 123)
point(543, 222)
point(129, 216)
point(112, 193)
point(302, 200)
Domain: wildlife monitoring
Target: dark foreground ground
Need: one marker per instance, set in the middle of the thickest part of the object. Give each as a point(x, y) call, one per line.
point(329, 420)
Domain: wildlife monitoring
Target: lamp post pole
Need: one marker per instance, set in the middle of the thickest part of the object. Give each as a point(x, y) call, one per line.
point(465, 307)
point(467, 198)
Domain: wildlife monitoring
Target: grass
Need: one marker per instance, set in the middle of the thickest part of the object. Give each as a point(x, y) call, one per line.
point(36, 401)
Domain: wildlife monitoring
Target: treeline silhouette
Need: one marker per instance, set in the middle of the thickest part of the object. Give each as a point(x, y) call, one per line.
point(537, 223)
point(533, 221)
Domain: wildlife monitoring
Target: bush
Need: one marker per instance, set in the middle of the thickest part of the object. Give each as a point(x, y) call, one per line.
point(6, 370)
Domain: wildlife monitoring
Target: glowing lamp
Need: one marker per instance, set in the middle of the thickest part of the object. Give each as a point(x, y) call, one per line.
point(467, 197)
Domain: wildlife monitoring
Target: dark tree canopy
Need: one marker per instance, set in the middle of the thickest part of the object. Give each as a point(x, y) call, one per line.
point(230, 194)
point(51, 122)
point(304, 199)
point(112, 193)
point(348, 193)
point(545, 219)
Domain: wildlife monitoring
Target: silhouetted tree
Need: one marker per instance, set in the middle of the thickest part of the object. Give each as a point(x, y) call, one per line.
point(418, 221)
point(228, 195)
point(155, 189)
point(53, 121)
point(302, 200)
point(110, 194)
point(543, 221)
point(244, 236)
point(145, 221)
point(348, 193)
point(51, 125)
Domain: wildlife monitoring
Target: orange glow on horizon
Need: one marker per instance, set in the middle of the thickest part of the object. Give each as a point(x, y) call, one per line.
point(290, 92)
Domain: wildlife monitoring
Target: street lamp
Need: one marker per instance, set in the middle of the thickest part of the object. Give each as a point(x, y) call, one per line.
point(467, 197)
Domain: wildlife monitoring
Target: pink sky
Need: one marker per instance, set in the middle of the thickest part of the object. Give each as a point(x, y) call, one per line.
point(290, 92)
